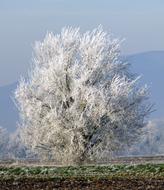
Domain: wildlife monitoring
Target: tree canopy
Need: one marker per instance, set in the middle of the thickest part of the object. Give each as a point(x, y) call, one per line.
point(80, 101)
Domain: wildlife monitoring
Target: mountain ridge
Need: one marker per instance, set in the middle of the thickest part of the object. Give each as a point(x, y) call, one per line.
point(149, 64)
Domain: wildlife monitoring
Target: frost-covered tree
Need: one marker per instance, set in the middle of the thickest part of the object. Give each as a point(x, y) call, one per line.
point(16, 149)
point(80, 102)
point(4, 138)
point(152, 141)
point(12, 147)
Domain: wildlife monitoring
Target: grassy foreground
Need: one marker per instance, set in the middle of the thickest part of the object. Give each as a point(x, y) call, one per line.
point(148, 176)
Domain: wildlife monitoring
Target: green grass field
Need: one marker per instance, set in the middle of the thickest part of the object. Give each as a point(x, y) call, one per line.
point(147, 170)
point(80, 175)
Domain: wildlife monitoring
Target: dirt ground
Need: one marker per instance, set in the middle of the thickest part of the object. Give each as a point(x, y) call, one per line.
point(98, 184)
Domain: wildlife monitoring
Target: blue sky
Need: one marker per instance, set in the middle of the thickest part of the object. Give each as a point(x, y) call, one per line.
point(22, 22)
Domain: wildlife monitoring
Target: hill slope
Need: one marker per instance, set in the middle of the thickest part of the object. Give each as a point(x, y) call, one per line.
point(148, 64)
point(151, 66)
point(8, 110)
